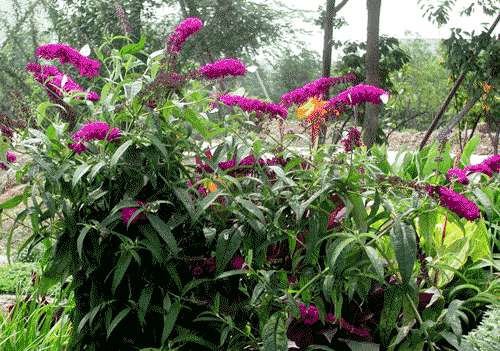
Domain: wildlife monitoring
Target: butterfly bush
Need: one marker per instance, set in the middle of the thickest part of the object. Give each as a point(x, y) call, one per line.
point(128, 212)
point(98, 130)
point(254, 105)
point(455, 202)
point(11, 158)
point(488, 167)
point(182, 32)
point(66, 54)
point(223, 68)
point(316, 88)
point(352, 140)
point(356, 95)
point(52, 79)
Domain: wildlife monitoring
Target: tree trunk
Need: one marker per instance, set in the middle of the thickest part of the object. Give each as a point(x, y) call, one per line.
point(331, 11)
point(370, 123)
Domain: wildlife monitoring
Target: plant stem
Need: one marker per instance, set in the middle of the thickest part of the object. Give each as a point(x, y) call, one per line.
point(420, 321)
point(310, 282)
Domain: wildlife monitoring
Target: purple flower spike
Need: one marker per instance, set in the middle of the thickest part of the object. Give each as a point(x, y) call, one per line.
point(356, 95)
point(309, 315)
point(458, 174)
point(314, 89)
point(254, 105)
point(66, 54)
point(223, 68)
point(96, 131)
point(182, 32)
point(352, 140)
point(455, 202)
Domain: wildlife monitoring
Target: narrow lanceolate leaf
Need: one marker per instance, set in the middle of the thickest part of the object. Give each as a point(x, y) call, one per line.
point(205, 203)
point(97, 167)
point(79, 172)
point(358, 211)
point(403, 241)
point(393, 301)
point(341, 245)
point(186, 200)
point(252, 208)
point(165, 233)
point(119, 152)
point(81, 238)
point(169, 320)
point(121, 268)
point(376, 260)
point(274, 333)
point(144, 300)
point(12, 202)
point(123, 313)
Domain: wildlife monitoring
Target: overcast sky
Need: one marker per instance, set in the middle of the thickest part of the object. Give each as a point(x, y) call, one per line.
point(397, 17)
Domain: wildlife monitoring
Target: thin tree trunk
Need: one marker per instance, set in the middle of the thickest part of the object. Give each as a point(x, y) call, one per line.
point(370, 123)
point(452, 93)
point(331, 11)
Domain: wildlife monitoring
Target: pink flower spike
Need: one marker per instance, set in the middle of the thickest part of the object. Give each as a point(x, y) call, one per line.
point(356, 95)
point(493, 162)
point(223, 68)
point(66, 54)
point(254, 105)
point(352, 140)
point(97, 130)
point(458, 174)
point(78, 147)
point(455, 202)
point(182, 32)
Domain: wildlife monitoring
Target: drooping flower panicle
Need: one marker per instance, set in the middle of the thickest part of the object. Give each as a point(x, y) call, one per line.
point(182, 32)
point(356, 95)
point(56, 82)
point(309, 315)
point(488, 167)
point(352, 140)
point(459, 174)
point(11, 158)
point(315, 88)
point(455, 202)
point(254, 105)
point(93, 131)
point(66, 54)
point(223, 68)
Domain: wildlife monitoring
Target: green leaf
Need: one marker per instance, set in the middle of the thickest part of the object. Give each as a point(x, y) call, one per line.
point(358, 211)
point(299, 211)
point(403, 241)
point(427, 222)
point(228, 243)
point(251, 207)
point(274, 333)
point(12, 202)
point(469, 148)
point(169, 320)
point(81, 238)
point(123, 313)
point(79, 172)
point(133, 48)
point(120, 269)
point(376, 260)
point(341, 245)
point(97, 167)
point(186, 200)
point(479, 240)
point(485, 202)
point(454, 315)
point(393, 301)
point(165, 233)
point(205, 203)
point(119, 152)
point(144, 300)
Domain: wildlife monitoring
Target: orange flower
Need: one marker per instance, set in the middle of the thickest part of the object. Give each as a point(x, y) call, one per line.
point(486, 87)
point(209, 185)
point(312, 105)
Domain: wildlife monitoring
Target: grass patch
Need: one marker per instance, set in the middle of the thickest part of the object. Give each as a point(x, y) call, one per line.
point(15, 277)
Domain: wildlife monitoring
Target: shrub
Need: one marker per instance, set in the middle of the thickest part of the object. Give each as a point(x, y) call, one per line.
point(244, 243)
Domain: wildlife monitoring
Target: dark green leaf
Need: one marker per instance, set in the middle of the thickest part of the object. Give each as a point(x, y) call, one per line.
point(164, 232)
point(393, 301)
point(133, 48)
point(123, 313)
point(403, 241)
point(358, 211)
point(119, 152)
point(120, 269)
point(274, 333)
point(79, 172)
point(144, 302)
point(169, 320)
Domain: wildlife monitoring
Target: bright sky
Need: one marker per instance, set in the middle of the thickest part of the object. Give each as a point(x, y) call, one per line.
point(396, 18)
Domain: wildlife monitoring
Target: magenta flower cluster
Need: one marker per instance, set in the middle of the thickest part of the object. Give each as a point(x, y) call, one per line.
point(315, 88)
point(52, 79)
point(309, 315)
point(93, 131)
point(66, 54)
point(206, 267)
point(455, 202)
point(182, 32)
point(254, 105)
point(128, 212)
point(352, 140)
point(223, 68)
point(356, 95)
point(11, 158)
point(489, 166)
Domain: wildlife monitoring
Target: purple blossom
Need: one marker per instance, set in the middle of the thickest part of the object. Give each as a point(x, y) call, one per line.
point(6, 131)
point(78, 147)
point(52, 79)
point(197, 271)
point(352, 140)
point(455, 202)
point(493, 162)
point(237, 262)
point(356, 95)
point(309, 315)
point(96, 131)
point(248, 161)
point(223, 68)
point(128, 212)
point(458, 174)
point(182, 32)
point(314, 89)
point(66, 54)
point(479, 168)
point(254, 105)
point(225, 165)
point(11, 157)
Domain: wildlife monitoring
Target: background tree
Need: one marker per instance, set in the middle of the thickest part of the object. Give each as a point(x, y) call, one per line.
point(370, 123)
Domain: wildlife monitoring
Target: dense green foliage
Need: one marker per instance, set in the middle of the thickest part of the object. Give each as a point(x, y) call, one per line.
point(15, 277)
point(242, 264)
